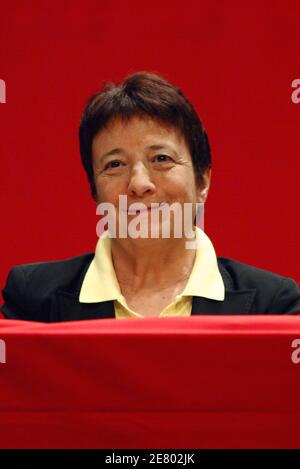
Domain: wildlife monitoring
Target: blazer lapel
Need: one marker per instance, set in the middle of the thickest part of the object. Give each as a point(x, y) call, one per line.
point(235, 302)
point(69, 308)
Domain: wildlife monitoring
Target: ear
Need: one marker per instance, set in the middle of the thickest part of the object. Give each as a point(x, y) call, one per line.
point(203, 188)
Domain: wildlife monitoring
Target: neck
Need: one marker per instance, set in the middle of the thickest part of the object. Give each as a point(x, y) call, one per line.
point(147, 263)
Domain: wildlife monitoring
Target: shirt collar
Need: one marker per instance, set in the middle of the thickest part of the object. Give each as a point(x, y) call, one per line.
point(101, 284)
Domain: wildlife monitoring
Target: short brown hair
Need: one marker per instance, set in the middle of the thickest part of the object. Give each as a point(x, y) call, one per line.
point(143, 94)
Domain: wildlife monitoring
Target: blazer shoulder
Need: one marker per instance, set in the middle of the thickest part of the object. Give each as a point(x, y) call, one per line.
point(274, 293)
point(60, 271)
point(31, 288)
point(241, 275)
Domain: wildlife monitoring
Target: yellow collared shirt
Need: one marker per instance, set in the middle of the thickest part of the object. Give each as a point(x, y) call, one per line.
point(101, 284)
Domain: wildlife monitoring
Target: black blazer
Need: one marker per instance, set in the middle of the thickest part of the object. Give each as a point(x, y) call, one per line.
point(49, 292)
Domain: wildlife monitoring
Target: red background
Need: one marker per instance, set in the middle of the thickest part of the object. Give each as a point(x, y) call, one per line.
point(234, 61)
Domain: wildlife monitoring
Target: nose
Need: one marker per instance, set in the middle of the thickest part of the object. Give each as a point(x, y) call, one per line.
point(140, 182)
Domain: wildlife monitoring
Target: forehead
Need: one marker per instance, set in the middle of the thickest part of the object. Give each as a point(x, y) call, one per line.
point(138, 131)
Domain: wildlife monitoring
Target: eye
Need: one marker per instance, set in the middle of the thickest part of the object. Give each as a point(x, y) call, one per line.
point(163, 158)
point(113, 164)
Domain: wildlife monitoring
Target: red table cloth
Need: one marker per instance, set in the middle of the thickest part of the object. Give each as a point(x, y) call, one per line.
point(198, 382)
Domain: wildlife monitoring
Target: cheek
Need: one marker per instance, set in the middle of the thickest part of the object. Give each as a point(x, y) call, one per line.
point(180, 190)
point(108, 190)
point(178, 183)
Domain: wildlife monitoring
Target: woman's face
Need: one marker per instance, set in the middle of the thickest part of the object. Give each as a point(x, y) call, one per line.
point(146, 161)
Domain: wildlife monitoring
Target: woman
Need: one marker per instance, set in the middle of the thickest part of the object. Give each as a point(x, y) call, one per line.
point(143, 140)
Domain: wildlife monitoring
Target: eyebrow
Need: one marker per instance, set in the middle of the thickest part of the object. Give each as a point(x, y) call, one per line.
point(118, 151)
